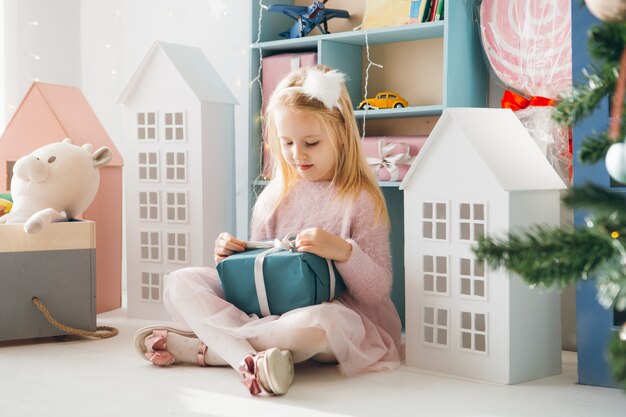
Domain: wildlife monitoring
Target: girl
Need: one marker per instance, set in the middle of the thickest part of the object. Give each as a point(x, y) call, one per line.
point(323, 189)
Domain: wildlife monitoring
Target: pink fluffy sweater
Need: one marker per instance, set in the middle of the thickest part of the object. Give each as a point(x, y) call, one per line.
point(367, 273)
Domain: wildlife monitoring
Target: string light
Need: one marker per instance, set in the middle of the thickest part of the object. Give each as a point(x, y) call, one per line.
point(257, 79)
point(31, 24)
point(217, 9)
point(370, 63)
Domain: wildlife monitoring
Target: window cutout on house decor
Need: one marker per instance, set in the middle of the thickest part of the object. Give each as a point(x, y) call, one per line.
point(176, 247)
point(174, 124)
point(148, 166)
point(151, 286)
point(149, 206)
point(176, 166)
point(474, 332)
point(150, 246)
point(9, 172)
point(436, 275)
point(435, 326)
point(177, 204)
point(473, 278)
point(435, 221)
point(472, 221)
point(147, 126)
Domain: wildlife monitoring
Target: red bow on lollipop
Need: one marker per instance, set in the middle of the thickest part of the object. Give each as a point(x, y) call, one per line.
point(514, 101)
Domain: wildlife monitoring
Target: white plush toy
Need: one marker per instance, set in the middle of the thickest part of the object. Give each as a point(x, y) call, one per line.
point(54, 183)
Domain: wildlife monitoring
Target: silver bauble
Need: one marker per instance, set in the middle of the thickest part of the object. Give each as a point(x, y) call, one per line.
point(608, 10)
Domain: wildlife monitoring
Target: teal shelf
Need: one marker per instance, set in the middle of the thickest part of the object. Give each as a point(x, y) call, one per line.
point(416, 111)
point(430, 30)
point(389, 184)
point(298, 44)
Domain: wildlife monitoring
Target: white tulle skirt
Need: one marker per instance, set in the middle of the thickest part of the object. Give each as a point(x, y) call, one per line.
point(194, 298)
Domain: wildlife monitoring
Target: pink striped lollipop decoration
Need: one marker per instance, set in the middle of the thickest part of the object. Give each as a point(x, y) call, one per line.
point(528, 44)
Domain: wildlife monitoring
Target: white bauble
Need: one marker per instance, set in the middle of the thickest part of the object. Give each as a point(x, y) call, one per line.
point(616, 162)
point(609, 10)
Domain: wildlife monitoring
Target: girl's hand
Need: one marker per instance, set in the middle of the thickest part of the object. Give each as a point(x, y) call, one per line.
point(324, 244)
point(225, 245)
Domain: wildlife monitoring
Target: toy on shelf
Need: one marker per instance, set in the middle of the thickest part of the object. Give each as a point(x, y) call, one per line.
point(390, 157)
point(6, 202)
point(307, 17)
point(54, 183)
point(384, 100)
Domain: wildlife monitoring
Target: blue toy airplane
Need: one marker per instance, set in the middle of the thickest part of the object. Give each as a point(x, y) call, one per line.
point(307, 18)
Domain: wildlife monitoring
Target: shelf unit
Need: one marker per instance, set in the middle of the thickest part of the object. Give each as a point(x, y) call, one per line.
point(434, 65)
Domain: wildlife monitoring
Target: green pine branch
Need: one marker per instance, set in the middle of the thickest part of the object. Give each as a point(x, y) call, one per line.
point(610, 281)
point(617, 358)
point(594, 148)
point(601, 200)
point(605, 45)
point(585, 98)
point(547, 255)
point(606, 42)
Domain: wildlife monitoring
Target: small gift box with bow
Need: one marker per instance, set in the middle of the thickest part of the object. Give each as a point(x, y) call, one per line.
point(276, 280)
point(391, 156)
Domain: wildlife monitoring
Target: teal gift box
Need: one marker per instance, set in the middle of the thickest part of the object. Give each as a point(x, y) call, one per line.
point(289, 280)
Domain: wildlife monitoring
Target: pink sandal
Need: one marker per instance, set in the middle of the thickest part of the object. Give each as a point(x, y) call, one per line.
point(151, 344)
point(267, 373)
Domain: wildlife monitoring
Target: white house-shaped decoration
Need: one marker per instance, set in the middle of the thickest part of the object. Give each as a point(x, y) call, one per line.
point(479, 173)
point(179, 182)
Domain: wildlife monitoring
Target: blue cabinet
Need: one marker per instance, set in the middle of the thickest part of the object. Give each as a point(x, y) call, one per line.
point(594, 324)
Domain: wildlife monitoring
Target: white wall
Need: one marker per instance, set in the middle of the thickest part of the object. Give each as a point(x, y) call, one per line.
point(41, 43)
point(116, 34)
point(96, 45)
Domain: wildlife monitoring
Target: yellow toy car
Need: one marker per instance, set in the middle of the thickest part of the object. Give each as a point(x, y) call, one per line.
point(384, 100)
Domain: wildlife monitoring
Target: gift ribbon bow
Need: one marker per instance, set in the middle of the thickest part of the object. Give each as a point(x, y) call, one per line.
point(515, 102)
point(287, 244)
point(390, 162)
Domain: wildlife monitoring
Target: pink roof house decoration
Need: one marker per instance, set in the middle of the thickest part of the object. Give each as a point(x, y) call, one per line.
point(50, 113)
point(178, 118)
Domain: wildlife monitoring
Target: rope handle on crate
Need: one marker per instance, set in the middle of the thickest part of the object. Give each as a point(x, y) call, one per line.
point(102, 332)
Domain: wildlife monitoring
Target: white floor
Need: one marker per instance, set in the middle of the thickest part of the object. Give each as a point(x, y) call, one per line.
point(84, 377)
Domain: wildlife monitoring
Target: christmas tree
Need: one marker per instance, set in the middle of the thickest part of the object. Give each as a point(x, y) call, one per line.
point(552, 256)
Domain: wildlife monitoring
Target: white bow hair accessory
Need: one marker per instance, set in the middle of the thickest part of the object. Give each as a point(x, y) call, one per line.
point(324, 86)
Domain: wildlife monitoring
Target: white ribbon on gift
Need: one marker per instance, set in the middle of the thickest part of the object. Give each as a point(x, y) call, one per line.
point(287, 244)
point(391, 162)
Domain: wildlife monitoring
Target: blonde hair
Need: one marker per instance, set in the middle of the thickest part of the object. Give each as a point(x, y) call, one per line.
point(352, 174)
